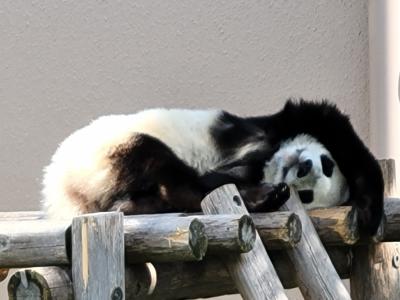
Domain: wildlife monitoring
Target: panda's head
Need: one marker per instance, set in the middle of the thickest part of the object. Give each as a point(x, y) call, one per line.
point(307, 165)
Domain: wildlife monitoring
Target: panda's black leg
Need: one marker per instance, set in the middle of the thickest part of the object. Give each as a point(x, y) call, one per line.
point(152, 179)
point(265, 197)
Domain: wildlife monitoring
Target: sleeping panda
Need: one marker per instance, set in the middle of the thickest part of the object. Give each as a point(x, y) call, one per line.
point(305, 164)
point(163, 160)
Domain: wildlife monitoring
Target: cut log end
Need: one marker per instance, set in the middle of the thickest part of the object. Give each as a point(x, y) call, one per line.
point(294, 229)
point(40, 283)
point(247, 234)
point(197, 239)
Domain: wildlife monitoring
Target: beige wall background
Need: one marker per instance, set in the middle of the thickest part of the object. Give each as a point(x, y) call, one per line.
point(63, 63)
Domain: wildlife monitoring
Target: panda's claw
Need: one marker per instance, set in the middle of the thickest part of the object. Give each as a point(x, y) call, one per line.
point(266, 197)
point(283, 190)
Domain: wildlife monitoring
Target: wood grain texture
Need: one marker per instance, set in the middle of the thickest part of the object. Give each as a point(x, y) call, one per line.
point(45, 283)
point(392, 226)
point(33, 243)
point(210, 277)
point(253, 272)
point(316, 275)
point(336, 226)
point(376, 267)
point(159, 239)
point(229, 233)
point(98, 264)
point(278, 230)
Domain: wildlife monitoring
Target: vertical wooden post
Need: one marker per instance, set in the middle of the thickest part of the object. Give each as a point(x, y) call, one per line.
point(376, 267)
point(98, 268)
point(315, 273)
point(253, 272)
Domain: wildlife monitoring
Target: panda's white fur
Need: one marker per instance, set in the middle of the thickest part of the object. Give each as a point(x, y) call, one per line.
point(283, 167)
point(80, 170)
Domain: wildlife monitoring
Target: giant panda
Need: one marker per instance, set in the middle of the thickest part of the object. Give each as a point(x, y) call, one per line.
point(305, 164)
point(162, 160)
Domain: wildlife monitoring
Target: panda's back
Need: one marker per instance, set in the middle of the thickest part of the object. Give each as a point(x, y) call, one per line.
point(81, 170)
point(186, 132)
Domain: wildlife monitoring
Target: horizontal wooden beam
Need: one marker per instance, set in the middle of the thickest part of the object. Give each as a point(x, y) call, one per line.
point(33, 243)
point(164, 239)
point(209, 277)
point(176, 280)
point(28, 240)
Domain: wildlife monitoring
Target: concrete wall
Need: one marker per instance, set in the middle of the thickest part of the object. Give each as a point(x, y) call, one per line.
point(63, 63)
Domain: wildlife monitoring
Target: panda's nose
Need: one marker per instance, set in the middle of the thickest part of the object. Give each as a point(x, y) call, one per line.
point(304, 168)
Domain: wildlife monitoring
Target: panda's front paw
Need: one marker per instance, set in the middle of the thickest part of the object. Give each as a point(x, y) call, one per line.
point(266, 197)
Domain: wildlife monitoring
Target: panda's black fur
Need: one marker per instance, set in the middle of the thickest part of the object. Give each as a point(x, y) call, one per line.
point(136, 171)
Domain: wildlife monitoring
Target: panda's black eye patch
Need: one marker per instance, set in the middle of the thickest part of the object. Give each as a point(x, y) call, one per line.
point(306, 196)
point(327, 165)
point(304, 168)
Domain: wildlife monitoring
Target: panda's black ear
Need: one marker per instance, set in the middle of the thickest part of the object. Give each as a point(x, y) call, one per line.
point(327, 165)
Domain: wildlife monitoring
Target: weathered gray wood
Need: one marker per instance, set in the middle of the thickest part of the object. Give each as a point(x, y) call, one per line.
point(98, 265)
point(316, 275)
point(164, 239)
point(392, 212)
point(376, 273)
point(210, 277)
point(336, 226)
point(278, 230)
point(33, 243)
point(141, 279)
point(45, 283)
point(229, 233)
point(253, 272)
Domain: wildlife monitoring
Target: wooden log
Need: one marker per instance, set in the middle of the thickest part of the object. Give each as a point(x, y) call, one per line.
point(253, 272)
point(40, 283)
point(182, 280)
point(336, 226)
point(376, 273)
point(316, 275)
point(141, 280)
point(164, 239)
point(33, 243)
point(98, 262)
point(392, 213)
point(278, 230)
point(179, 280)
point(229, 233)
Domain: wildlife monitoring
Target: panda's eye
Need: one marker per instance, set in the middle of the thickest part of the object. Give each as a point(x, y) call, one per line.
point(327, 165)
